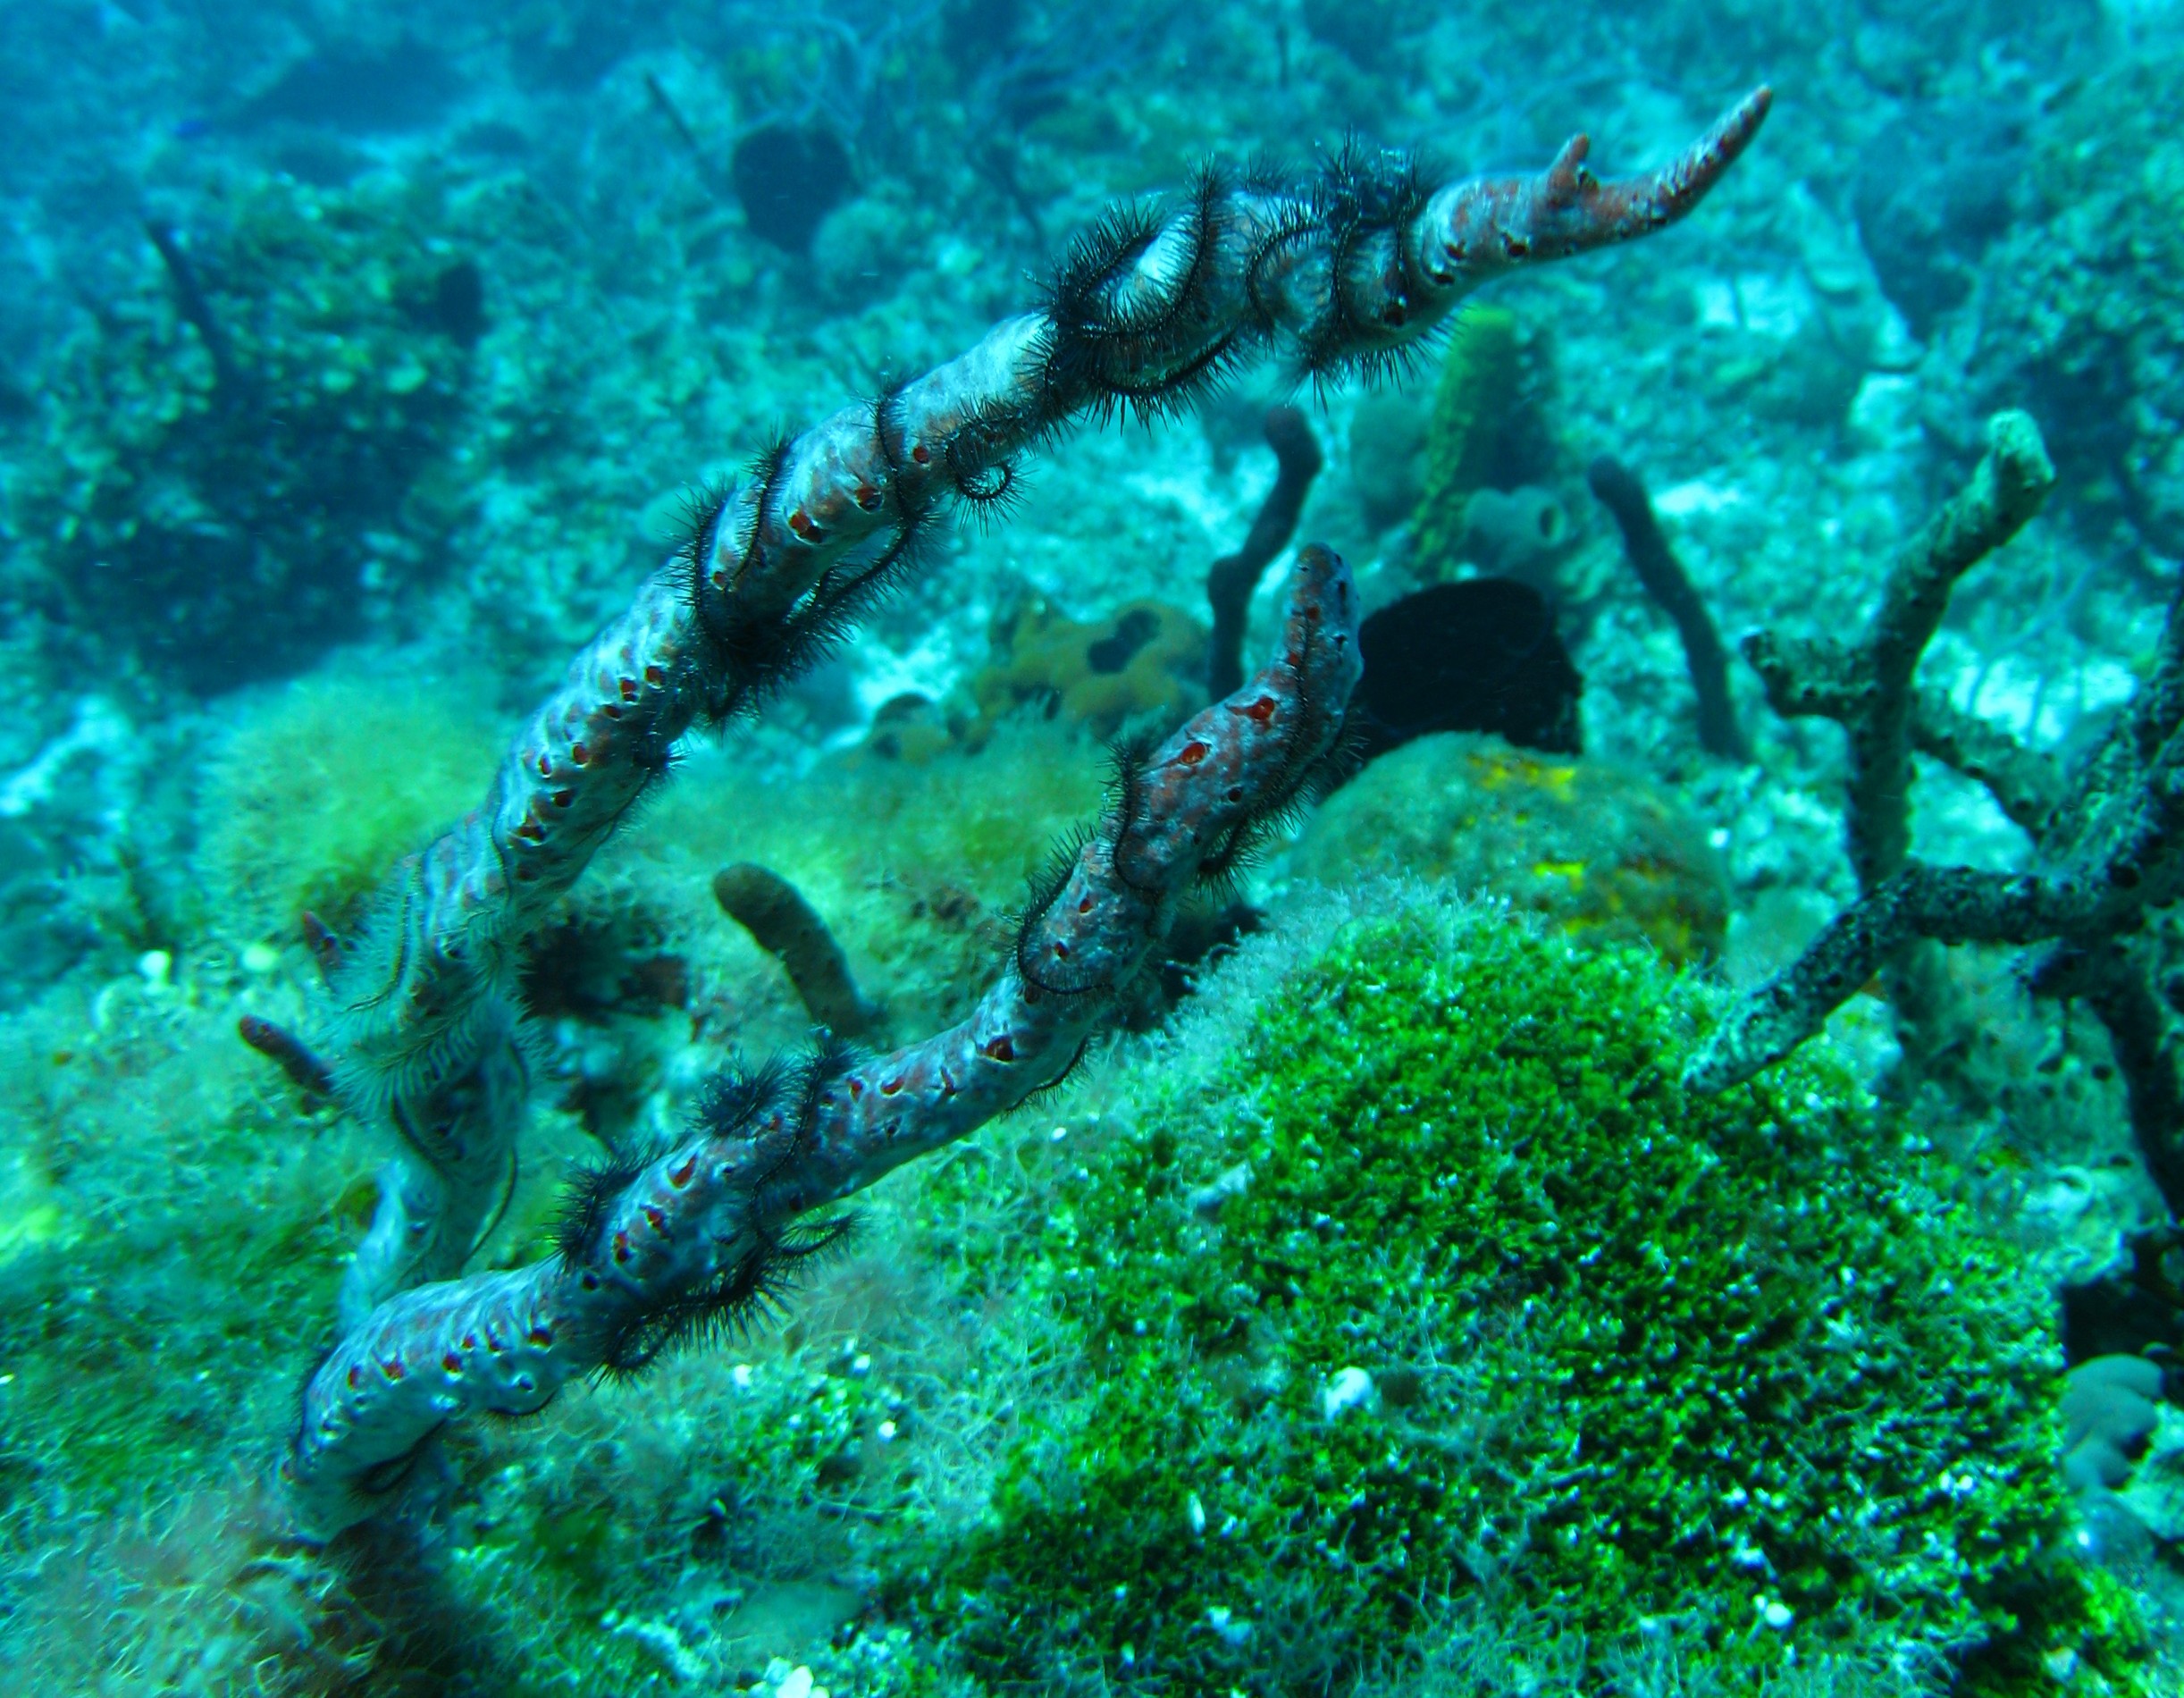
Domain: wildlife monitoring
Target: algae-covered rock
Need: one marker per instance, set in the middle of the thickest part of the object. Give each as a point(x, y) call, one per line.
point(1601, 852)
point(322, 784)
point(258, 444)
point(1729, 1376)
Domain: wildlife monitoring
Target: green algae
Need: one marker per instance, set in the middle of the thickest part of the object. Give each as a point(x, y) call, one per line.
point(1733, 1367)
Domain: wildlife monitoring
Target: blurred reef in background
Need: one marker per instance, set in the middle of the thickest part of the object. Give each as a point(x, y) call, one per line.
point(1382, 1312)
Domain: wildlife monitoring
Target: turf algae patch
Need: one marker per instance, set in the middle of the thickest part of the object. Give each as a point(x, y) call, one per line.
point(1436, 1288)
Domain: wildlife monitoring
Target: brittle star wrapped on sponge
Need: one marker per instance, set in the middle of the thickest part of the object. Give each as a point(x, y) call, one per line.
point(1344, 270)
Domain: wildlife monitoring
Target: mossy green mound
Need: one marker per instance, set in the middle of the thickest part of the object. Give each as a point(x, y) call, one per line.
point(323, 784)
point(1728, 1369)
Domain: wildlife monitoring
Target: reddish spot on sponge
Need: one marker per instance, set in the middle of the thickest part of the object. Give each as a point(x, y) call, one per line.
point(656, 1218)
point(803, 526)
point(356, 1376)
point(1259, 710)
point(1192, 752)
point(393, 1369)
point(451, 1362)
point(680, 1176)
point(1000, 1049)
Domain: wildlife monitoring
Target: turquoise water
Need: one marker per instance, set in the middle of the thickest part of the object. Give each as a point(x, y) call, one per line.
point(1002, 847)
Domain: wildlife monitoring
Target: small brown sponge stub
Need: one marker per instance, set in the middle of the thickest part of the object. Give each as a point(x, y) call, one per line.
point(784, 925)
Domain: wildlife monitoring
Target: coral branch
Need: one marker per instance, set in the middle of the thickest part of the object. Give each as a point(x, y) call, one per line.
point(707, 1226)
point(1232, 579)
point(1867, 686)
point(2027, 786)
point(2108, 853)
point(1949, 905)
point(789, 929)
point(1620, 491)
point(1486, 227)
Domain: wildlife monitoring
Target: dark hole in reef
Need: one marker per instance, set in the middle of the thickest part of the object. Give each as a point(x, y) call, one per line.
point(788, 178)
point(1114, 652)
point(2122, 1312)
point(457, 305)
point(590, 971)
point(1478, 655)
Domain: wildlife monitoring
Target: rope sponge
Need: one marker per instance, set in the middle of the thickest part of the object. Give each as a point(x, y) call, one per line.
point(1347, 269)
point(657, 1248)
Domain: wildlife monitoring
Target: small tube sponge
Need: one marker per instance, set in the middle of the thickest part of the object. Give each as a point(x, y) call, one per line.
point(785, 926)
point(1477, 389)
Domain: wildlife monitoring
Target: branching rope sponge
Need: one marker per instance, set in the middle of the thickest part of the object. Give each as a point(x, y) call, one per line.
point(1343, 272)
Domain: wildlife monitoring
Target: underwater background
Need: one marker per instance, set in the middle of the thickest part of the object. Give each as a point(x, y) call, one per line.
point(1574, 1176)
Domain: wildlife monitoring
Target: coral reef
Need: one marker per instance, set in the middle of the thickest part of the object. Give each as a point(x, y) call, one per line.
point(2074, 320)
point(225, 476)
point(429, 1033)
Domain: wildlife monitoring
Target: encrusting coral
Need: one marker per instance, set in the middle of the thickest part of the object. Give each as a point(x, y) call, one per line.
point(1141, 667)
point(1345, 271)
